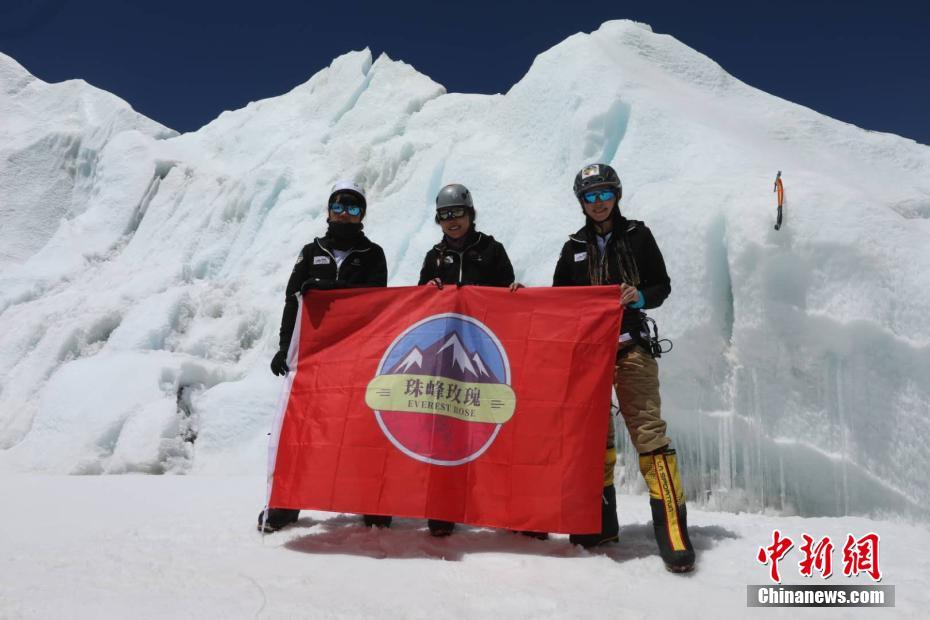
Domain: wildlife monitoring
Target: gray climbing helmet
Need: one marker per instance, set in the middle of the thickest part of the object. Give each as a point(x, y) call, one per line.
point(454, 195)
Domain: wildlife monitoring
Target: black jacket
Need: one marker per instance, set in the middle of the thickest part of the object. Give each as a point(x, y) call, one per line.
point(364, 266)
point(483, 261)
point(652, 278)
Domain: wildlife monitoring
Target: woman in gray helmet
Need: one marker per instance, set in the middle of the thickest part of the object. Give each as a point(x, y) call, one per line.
point(610, 249)
point(463, 256)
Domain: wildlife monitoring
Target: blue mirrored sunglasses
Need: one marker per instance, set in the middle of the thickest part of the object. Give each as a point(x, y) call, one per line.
point(339, 209)
point(599, 196)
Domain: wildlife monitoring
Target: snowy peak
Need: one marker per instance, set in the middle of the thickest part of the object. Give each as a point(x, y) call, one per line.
point(459, 354)
point(61, 147)
point(479, 365)
point(13, 76)
point(32, 105)
point(446, 357)
point(354, 96)
point(414, 358)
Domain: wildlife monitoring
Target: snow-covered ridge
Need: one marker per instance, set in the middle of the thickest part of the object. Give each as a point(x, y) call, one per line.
point(51, 139)
point(139, 320)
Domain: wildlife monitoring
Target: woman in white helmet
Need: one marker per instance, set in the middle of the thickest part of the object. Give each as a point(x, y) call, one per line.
point(342, 258)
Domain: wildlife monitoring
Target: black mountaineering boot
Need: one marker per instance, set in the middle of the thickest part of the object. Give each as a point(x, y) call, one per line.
point(276, 519)
point(439, 528)
point(610, 528)
point(379, 521)
point(669, 515)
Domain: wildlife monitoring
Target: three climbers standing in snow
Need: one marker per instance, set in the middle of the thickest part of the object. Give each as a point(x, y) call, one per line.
point(607, 250)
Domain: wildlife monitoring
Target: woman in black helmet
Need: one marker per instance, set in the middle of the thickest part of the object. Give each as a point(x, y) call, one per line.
point(610, 249)
point(463, 256)
point(343, 258)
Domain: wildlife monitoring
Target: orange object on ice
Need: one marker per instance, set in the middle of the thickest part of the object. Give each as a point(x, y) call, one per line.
point(780, 188)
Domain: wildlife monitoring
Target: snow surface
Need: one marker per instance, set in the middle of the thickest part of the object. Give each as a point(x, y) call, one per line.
point(142, 273)
point(176, 547)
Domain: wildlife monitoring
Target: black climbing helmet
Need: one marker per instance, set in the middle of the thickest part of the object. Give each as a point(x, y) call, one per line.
point(594, 176)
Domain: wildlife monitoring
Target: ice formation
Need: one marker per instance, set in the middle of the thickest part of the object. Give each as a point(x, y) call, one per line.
point(142, 272)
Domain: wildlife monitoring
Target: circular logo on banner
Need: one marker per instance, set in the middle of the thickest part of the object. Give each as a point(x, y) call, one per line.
point(442, 390)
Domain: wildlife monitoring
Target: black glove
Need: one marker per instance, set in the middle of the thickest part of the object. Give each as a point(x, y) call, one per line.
point(279, 363)
point(319, 285)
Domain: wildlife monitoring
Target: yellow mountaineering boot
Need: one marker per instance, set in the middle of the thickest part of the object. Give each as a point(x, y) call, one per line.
point(669, 516)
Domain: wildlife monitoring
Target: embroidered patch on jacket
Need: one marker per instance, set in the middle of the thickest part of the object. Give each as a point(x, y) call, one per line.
point(580, 256)
point(321, 260)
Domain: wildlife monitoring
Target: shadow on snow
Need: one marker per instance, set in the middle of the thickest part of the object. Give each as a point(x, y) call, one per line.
point(409, 539)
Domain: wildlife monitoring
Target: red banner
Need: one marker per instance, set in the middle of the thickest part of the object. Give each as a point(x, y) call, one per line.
point(474, 405)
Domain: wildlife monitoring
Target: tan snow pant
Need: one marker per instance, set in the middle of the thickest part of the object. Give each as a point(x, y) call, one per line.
point(636, 380)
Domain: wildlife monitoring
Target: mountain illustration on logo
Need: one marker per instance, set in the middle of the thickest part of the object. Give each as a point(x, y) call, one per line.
point(442, 392)
point(447, 357)
point(414, 358)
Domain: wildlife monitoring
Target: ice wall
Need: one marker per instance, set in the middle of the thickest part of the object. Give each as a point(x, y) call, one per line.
point(51, 137)
point(136, 336)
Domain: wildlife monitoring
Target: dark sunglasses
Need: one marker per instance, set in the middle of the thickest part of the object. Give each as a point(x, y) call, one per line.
point(450, 213)
point(339, 209)
point(598, 196)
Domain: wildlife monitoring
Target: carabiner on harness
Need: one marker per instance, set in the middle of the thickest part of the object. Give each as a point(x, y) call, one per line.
point(654, 345)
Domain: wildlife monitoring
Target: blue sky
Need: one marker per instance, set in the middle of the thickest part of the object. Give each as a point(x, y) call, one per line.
point(182, 63)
